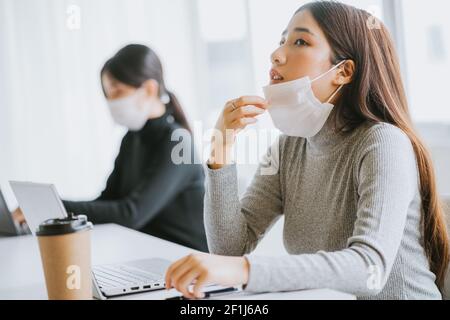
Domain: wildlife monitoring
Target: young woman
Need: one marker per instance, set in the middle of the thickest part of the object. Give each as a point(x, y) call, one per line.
point(354, 183)
point(146, 190)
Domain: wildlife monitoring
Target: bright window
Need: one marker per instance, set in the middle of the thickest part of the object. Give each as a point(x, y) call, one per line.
point(427, 52)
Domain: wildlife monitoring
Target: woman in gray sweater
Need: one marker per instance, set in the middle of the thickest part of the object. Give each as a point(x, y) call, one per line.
point(354, 183)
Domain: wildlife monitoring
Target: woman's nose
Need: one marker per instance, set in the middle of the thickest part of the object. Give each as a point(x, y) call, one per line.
point(277, 57)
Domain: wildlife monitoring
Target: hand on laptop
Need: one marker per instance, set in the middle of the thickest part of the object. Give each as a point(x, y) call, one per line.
point(18, 216)
point(201, 269)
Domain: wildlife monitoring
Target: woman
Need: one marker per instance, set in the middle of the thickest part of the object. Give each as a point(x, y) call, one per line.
point(146, 190)
point(354, 183)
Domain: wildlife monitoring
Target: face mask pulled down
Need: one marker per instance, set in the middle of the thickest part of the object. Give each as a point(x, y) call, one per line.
point(294, 108)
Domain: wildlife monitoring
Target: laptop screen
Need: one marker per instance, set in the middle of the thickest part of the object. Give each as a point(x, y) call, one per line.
point(7, 225)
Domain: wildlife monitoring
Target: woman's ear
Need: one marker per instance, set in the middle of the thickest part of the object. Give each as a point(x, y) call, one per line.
point(152, 88)
point(345, 73)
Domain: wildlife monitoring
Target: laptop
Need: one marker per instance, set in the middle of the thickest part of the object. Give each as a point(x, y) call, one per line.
point(8, 227)
point(40, 202)
point(130, 277)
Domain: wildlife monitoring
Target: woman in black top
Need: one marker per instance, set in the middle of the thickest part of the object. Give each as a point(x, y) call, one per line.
point(146, 190)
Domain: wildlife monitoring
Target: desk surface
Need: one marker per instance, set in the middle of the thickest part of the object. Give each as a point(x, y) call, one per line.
point(21, 274)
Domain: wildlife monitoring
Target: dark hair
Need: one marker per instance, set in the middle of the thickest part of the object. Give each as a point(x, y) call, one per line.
point(135, 64)
point(376, 94)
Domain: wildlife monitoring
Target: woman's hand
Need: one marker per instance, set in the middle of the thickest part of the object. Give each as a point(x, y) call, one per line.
point(202, 269)
point(18, 216)
point(236, 116)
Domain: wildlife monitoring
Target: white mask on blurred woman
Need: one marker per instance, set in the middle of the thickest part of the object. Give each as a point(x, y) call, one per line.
point(132, 111)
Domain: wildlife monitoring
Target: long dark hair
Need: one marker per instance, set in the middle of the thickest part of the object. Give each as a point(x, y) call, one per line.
point(376, 94)
point(135, 64)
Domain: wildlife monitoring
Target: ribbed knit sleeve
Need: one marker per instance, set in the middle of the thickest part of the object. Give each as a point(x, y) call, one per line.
point(235, 227)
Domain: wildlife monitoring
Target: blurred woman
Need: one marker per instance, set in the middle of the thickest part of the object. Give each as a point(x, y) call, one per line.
point(146, 191)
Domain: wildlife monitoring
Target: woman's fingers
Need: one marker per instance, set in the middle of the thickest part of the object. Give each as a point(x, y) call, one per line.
point(183, 283)
point(241, 123)
point(173, 267)
point(180, 271)
point(246, 101)
point(246, 107)
point(198, 286)
point(246, 111)
point(18, 216)
point(200, 269)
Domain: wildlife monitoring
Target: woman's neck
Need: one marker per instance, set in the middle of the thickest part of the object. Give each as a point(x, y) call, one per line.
point(158, 110)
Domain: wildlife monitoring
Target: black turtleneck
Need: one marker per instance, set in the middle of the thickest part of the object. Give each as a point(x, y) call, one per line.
point(148, 192)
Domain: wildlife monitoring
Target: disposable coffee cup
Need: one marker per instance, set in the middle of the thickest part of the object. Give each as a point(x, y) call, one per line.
point(65, 247)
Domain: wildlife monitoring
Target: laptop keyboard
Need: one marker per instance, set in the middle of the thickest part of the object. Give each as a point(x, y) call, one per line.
point(123, 276)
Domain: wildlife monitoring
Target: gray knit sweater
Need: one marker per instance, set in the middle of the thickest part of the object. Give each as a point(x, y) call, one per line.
point(352, 214)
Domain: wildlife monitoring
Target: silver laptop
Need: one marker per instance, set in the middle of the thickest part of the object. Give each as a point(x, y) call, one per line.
point(129, 277)
point(38, 200)
point(8, 227)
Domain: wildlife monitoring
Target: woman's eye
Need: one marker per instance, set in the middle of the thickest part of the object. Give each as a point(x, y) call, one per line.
point(301, 42)
point(282, 42)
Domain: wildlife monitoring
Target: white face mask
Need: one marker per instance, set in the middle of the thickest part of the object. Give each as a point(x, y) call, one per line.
point(132, 111)
point(294, 108)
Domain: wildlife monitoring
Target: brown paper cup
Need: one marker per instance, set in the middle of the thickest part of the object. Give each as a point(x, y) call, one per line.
point(66, 260)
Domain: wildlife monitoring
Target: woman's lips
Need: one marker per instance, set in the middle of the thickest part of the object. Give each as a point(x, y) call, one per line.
point(275, 77)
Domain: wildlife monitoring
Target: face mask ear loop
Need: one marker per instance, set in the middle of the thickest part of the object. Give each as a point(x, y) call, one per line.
point(324, 74)
point(335, 93)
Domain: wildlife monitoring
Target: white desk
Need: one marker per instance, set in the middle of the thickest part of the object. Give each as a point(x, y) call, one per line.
point(21, 275)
